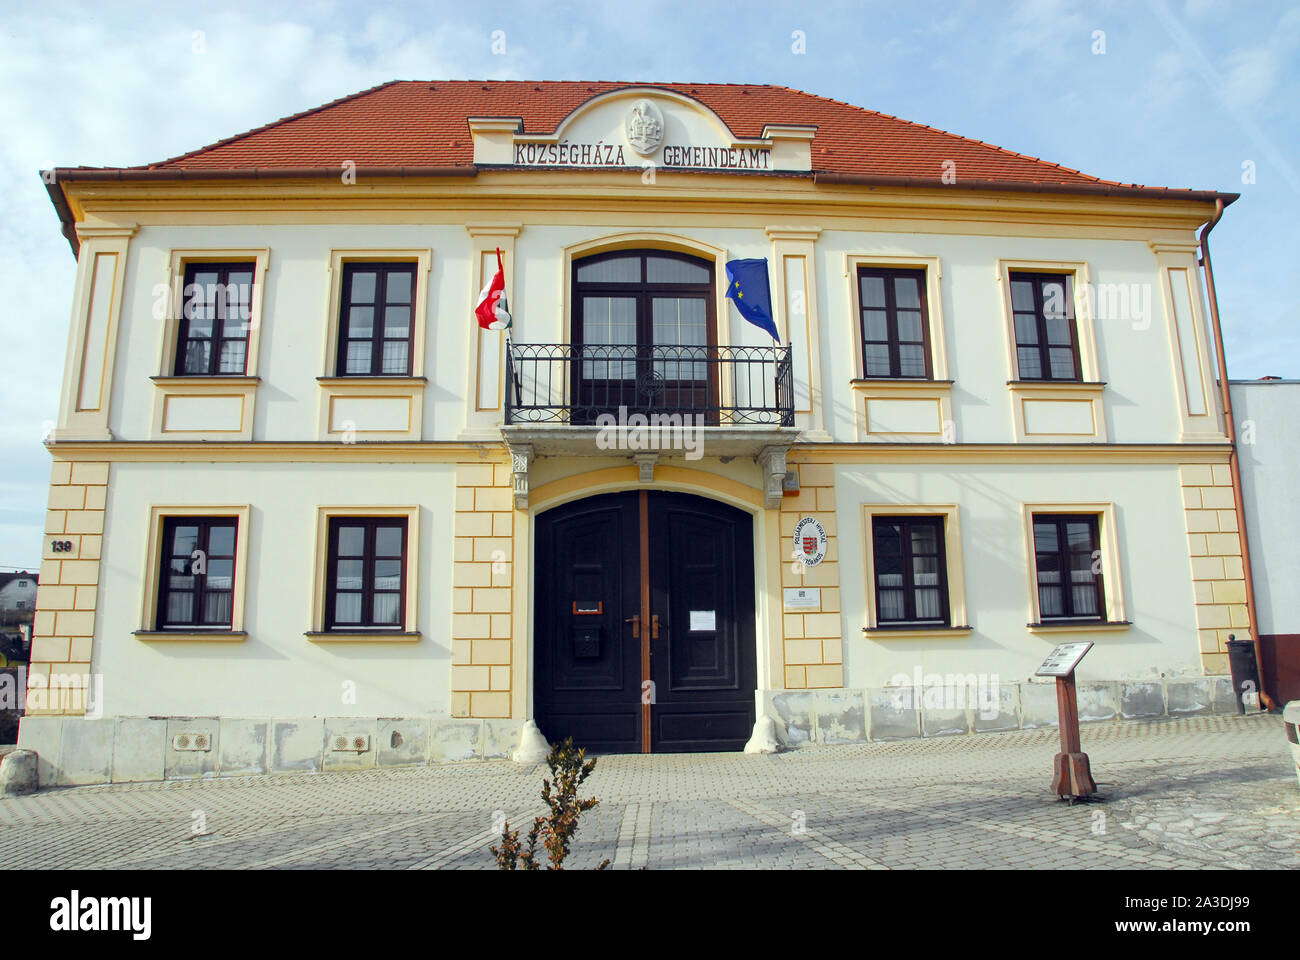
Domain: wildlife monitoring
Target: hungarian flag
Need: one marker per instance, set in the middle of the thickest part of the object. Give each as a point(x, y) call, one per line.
point(491, 309)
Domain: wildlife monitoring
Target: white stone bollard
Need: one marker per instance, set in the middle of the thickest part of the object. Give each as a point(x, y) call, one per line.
point(763, 739)
point(533, 747)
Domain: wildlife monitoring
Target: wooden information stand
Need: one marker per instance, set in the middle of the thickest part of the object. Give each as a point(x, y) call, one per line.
point(1071, 774)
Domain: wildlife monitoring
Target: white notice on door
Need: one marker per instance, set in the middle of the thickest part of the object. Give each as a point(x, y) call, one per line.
point(702, 620)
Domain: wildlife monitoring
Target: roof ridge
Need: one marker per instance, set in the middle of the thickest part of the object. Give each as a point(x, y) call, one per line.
point(274, 123)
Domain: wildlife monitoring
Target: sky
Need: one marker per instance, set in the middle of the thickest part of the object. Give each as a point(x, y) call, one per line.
point(1180, 93)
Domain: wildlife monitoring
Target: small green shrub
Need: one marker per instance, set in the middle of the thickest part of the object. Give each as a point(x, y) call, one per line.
point(555, 831)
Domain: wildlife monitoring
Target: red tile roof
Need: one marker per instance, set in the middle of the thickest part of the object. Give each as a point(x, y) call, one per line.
point(423, 125)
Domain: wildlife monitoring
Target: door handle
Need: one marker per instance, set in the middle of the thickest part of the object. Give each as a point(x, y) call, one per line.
point(635, 620)
point(654, 626)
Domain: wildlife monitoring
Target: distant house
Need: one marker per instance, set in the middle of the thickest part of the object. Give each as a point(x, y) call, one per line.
point(17, 593)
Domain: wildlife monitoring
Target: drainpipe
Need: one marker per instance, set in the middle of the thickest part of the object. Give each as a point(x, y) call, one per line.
point(1234, 467)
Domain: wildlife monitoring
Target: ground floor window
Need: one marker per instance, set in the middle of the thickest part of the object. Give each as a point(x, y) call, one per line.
point(1067, 561)
point(366, 573)
point(910, 570)
point(197, 577)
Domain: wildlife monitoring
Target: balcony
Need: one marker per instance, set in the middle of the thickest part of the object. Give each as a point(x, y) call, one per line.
point(635, 400)
point(580, 384)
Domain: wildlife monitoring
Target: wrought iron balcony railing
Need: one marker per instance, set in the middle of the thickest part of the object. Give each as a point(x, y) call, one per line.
point(579, 383)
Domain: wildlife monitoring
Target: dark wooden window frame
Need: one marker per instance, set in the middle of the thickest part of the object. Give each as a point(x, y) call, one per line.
point(644, 291)
point(368, 558)
point(201, 591)
point(1038, 281)
point(909, 618)
point(376, 339)
point(888, 274)
point(1062, 555)
point(219, 335)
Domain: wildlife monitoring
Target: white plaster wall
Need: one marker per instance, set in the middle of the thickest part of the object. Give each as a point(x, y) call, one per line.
point(1267, 412)
point(1140, 399)
point(1153, 561)
point(276, 671)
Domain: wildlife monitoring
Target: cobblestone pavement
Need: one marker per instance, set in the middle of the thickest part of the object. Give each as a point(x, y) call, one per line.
point(1208, 792)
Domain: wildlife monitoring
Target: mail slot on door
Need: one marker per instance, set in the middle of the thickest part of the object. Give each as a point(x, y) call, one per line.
point(586, 640)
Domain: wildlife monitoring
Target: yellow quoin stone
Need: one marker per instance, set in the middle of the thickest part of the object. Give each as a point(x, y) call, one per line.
point(1218, 582)
point(483, 591)
point(813, 640)
point(64, 628)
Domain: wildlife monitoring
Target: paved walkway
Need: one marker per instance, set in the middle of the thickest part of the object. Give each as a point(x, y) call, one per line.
point(1205, 792)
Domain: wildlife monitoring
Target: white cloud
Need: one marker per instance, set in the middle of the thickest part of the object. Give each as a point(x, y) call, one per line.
point(1250, 75)
point(1167, 79)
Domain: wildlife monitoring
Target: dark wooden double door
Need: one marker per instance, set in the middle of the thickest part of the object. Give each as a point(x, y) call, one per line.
point(644, 624)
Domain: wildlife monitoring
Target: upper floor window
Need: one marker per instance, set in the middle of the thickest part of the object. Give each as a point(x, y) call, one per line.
point(643, 322)
point(911, 571)
point(1068, 567)
point(894, 324)
point(196, 585)
point(1047, 338)
point(215, 320)
point(375, 325)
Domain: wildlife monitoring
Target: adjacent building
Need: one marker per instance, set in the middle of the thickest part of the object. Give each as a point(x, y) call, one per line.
point(305, 512)
point(1265, 412)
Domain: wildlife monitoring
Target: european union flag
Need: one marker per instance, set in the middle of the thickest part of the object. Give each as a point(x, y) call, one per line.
point(748, 288)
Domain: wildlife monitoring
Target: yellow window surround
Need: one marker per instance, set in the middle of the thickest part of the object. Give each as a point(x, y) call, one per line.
point(316, 616)
point(904, 411)
point(152, 574)
point(374, 408)
point(955, 571)
point(1055, 411)
point(1111, 572)
point(218, 407)
point(933, 267)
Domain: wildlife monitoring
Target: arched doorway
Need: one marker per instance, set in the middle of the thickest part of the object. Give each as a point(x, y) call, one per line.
point(644, 623)
point(644, 329)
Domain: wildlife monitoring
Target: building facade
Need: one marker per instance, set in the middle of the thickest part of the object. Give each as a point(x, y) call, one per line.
point(1264, 411)
point(305, 512)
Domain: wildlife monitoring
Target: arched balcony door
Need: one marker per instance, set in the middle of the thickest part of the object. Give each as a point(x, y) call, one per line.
point(644, 334)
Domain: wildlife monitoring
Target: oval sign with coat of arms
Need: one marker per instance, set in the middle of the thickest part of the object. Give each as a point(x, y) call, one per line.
point(810, 541)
